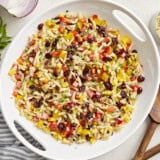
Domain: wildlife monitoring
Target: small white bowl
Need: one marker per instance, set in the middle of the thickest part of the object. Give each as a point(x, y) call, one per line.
point(155, 26)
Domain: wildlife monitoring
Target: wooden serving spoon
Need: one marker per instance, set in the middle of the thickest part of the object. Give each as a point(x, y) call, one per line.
point(151, 152)
point(155, 120)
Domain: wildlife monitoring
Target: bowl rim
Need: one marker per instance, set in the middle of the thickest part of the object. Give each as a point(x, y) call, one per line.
point(63, 3)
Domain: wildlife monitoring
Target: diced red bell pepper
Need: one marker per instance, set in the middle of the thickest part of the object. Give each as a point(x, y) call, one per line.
point(53, 126)
point(32, 42)
point(95, 16)
point(55, 54)
point(108, 50)
point(98, 115)
point(135, 87)
point(118, 122)
point(125, 68)
point(62, 19)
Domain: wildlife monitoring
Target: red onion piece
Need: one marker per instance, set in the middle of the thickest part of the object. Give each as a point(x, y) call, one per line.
point(19, 8)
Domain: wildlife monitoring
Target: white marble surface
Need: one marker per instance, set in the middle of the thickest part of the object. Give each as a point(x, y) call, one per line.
point(144, 10)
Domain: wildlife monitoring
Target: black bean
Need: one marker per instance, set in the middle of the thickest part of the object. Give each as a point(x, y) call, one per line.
point(115, 50)
point(89, 126)
point(82, 116)
point(67, 108)
point(123, 86)
point(96, 98)
point(86, 104)
point(107, 59)
point(90, 39)
point(54, 43)
point(119, 104)
point(73, 46)
point(47, 44)
point(85, 70)
point(101, 30)
point(134, 51)
point(89, 20)
point(90, 27)
point(104, 34)
point(89, 115)
point(32, 87)
point(88, 137)
point(82, 88)
point(32, 53)
point(73, 125)
point(120, 52)
point(72, 79)
point(66, 73)
point(108, 85)
point(69, 54)
point(61, 127)
point(57, 88)
point(114, 41)
point(123, 94)
point(55, 18)
point(55, 73)
point(140, 78)
point(48, 55)
point(37, 104)
point(82, 79)
point(139, 90)
point(40, 26)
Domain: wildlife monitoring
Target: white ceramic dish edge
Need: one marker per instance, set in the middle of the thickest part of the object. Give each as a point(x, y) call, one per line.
point(14, 130)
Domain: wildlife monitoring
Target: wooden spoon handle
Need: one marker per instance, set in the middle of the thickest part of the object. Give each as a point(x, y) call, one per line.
point(148, 135)
point(151, 152)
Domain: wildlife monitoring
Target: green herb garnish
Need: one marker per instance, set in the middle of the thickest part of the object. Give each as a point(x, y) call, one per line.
point(4, 38)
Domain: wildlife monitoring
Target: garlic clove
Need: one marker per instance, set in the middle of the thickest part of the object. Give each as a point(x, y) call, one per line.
point(19, 8)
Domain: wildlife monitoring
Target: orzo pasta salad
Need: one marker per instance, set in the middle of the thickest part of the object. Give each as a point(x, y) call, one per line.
point(77, 78)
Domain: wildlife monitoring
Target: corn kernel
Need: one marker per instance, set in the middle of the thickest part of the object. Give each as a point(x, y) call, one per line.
point(85, 132)
point(127, 119)
point(19, 97)
point(79, 130)
point(63, 54)
point(29, 117)
point(11, 72)
point(65, 84)
point(100, 22)
point(50, 23)
point(69, 36)
point(32, 107)
point(56, 116)
point(59, 65)
point(115, 32)
point(107, 92)
point(51, 119)
point(39, 124)
point(79, 25)
point(126, 41)
point(47, 130)
point(104, 68)
point(81, 97)
point(104, 76)
point(92, 140)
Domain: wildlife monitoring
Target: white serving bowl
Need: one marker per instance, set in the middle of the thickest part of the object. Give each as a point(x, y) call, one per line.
point(148, 56)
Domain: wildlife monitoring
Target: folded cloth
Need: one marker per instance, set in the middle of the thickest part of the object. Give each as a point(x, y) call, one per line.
point(11, 148)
